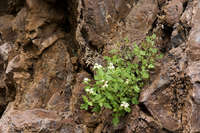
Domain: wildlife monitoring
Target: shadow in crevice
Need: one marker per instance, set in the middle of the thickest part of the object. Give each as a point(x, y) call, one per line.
point(2, 109)
point(166, 130)
point(144, 109)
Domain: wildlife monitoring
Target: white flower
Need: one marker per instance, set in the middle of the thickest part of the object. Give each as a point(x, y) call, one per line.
point(105, 84)
point(91, 91)
point(97, 66)
point(111, 66)
point(86, 79)
point(127, 81)
point(124, 104)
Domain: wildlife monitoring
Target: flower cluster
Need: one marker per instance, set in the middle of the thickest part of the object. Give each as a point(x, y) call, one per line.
point(124, 104)
point(91, 91)
point(111, 66)
point(97, 66)
point(105, 84)
point(127, 81)
point(86, 80)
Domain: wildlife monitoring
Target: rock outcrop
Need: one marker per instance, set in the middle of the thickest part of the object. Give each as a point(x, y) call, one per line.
point(47, 48)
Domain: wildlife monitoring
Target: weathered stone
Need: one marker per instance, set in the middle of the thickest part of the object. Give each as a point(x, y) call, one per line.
point(42, 71)
point(160, 110)
point(18, 62)
point(194, 44)
point(166, 98)
point(36, 120)
point(157, 84)
point(194, 40)
point(78, 90)
point(189, 13)
point(100, 19)
point(4, 50)
point(99, 128)
point(173, 11)
point(193, 72)
point(139, 122)
point(140, 19)
point(38, 53)
point(195, 121)
point(7, 34)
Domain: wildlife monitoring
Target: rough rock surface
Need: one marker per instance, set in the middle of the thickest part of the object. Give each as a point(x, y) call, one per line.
point(47, 48)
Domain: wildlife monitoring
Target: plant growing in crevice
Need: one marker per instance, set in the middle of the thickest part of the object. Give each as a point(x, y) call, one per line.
point(117, 84)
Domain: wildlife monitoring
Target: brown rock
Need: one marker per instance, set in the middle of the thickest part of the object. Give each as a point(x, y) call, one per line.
point(158, 83)
point(7, 34)
point(193, 72)
point(99, 128)
point(187, 15)
point(195, 122)
point(100, 18)
point(18, 62)
point(139, 122)
point(38, 48)
point(160, 110)
point(140, 19)
point(173, 11)
point(36, 120)
point(78, 91)
point(194, 44)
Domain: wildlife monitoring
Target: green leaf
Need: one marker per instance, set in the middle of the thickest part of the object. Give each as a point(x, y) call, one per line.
point(107, 105)
point(144, 62)
point(85, 99)
point(99, 75)
point(115, 121)
point(107, 58)
point(101, 102)
point(145, 75)
point(151, 66)
point(148, 39)
point(109, 95)
point(136, 88)
point(142, 52)
point(154, 51)
point(160, 56)
point(153, 36)
point(113, 51)
point(96, 108)
point(108, 78)
point(134, 100)
point(84, 106)
point(97, 97)
point(90, 103)
point(128, 110)
point(126, 40)
point(115, 105)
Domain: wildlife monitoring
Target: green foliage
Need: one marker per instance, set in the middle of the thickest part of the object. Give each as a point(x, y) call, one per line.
point(118, 84)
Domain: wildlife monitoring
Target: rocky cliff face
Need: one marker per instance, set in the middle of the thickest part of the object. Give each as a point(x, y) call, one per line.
point(47, 48)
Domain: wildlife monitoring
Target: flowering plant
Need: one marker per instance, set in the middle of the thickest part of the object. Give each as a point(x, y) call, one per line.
point(118, 84)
